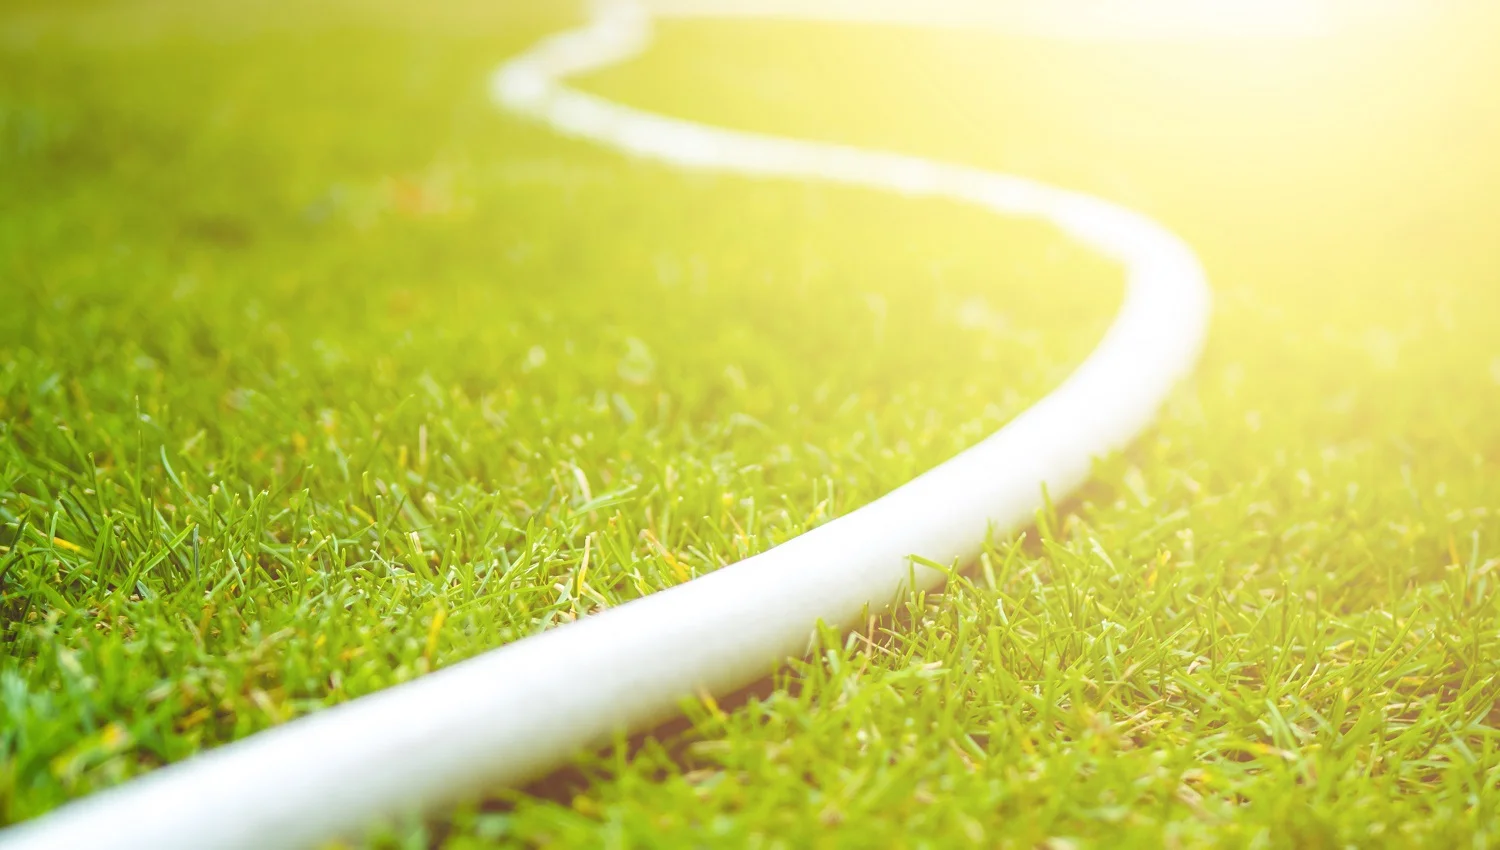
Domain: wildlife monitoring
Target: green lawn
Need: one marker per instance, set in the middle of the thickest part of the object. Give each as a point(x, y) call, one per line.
point(317, 372)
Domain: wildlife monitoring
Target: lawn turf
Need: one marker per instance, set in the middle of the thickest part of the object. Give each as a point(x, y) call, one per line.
point(316, 372)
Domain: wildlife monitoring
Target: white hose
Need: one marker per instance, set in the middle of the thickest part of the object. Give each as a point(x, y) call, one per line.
point(513, 713)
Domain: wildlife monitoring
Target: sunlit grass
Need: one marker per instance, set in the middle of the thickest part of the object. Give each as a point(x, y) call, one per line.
point(317, 373)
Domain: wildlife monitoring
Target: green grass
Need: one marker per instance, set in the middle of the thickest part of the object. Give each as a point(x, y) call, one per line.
point(316, 373)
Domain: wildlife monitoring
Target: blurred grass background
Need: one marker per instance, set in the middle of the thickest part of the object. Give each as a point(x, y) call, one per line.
point(317, 372)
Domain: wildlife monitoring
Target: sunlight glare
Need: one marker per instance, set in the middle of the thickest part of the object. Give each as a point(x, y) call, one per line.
point(1091, 20)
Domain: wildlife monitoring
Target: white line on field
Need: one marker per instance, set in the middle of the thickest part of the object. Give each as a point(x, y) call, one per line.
point(511, 714)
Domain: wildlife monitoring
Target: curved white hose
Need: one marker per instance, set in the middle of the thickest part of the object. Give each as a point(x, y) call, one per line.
point(515, 712)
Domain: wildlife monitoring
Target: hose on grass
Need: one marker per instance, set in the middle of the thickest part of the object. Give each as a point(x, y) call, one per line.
point(513, 713)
